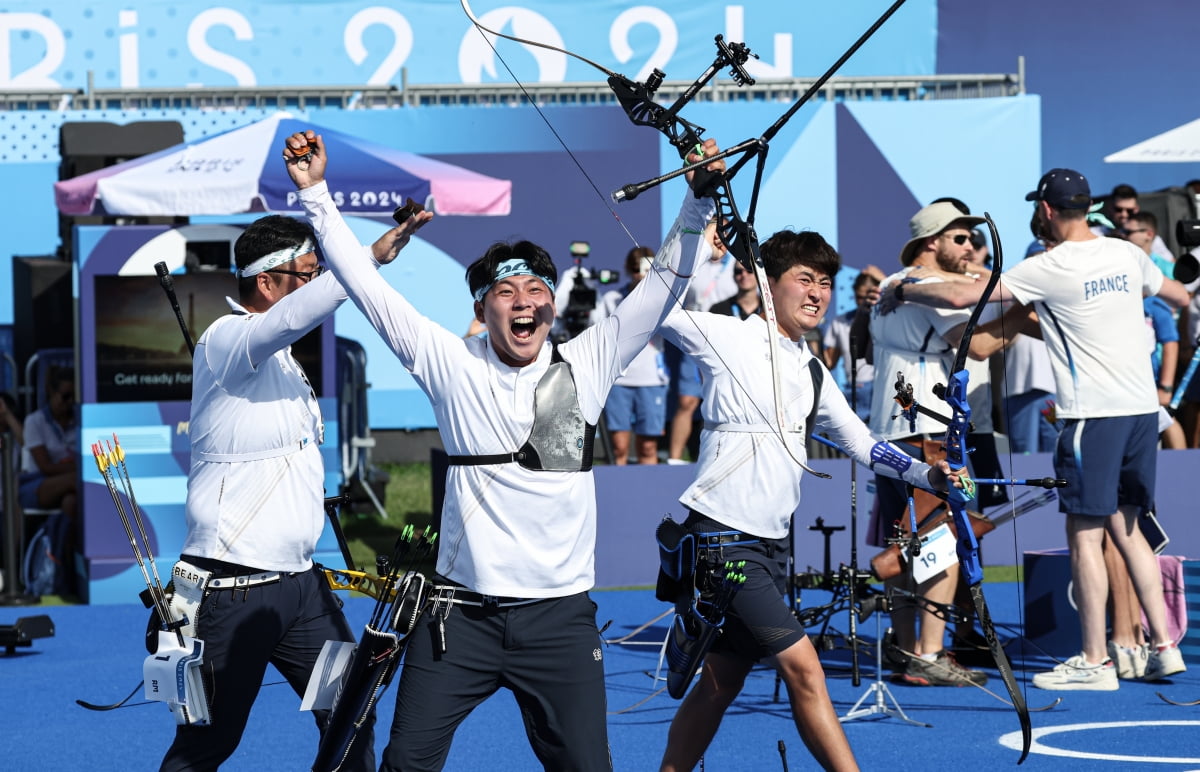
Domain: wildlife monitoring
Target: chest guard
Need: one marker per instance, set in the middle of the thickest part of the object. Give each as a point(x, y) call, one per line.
point(560, 440)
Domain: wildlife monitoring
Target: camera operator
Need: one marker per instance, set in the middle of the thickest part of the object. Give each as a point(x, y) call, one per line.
point(577, 295)
point(1187, 270)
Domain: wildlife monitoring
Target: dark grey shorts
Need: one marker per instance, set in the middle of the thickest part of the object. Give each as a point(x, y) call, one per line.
point(759, 622)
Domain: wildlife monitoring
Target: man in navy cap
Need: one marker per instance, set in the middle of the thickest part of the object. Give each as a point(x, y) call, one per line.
point(1088, 292)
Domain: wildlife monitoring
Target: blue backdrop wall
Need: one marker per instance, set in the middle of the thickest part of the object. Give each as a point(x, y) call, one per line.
point(854, 171)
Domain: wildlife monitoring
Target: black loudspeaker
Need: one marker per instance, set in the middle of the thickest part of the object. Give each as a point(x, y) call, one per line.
point(92, 145)
point(43, 308)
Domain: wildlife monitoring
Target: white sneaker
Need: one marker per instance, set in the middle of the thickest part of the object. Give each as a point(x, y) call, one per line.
point(1164, 661)
point(1077, 674)
point(1130, 662)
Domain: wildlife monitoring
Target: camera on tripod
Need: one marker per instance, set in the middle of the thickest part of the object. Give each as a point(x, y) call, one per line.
point(581, 302)
point(1187, 233)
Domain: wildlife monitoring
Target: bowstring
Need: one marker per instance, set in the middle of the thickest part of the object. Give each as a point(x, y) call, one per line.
point(545, 119)
point(998, 261)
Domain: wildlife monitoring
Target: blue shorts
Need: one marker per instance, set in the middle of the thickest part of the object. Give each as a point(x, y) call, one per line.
point(640, 408)
point(689, 382)
point(28, 488)
point(1107, 463)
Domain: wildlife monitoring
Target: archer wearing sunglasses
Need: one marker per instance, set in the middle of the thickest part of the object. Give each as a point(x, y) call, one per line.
point(255, 490)
point(918, 342)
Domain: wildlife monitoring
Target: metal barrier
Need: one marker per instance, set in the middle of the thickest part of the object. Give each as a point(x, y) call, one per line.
point(362, 96)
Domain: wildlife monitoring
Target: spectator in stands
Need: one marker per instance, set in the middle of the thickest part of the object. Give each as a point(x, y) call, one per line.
point(10, 420)
point(712, 282)
point(637, 403)
point(1163, 335)
point(746, 302)
point(1161, 320)
point(49, 473)
point(837, 343)
point(1122, 204)
point(982, 256)
point(1141, 228)
point(1088, 291)
point(1029, 379)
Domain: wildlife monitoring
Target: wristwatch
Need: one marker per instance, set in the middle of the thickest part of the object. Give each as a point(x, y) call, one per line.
point(899, 293)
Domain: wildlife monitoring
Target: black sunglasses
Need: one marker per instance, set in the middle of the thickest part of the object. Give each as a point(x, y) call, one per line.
point(306, 275)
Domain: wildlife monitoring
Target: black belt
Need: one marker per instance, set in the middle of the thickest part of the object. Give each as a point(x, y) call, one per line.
point(495, 458)
point(450, 593)
point(712, 539)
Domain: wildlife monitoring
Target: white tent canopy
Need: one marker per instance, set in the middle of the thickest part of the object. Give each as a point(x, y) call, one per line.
point(1179, 145)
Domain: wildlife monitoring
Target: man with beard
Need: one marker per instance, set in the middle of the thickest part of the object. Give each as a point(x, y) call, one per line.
point(918, 342)
point(1088, 292)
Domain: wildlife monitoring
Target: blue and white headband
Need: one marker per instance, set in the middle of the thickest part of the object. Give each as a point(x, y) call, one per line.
point(508, 269)
point(277, 258)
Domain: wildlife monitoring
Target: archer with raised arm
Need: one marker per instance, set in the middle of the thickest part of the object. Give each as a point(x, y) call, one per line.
point(517, 414)
point(747, 487)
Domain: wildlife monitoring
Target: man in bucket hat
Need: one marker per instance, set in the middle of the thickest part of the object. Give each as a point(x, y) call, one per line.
point(1088, 290)
point(918, 342)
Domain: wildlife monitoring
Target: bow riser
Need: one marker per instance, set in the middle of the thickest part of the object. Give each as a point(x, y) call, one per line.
point(967, 545)
point(959, 498)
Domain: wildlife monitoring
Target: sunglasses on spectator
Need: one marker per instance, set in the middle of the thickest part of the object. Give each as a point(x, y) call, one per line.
point(1126, 209)
point(960, 238)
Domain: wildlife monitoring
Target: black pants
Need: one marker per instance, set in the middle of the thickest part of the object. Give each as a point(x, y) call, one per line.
point(547, 653)
point(285, 624)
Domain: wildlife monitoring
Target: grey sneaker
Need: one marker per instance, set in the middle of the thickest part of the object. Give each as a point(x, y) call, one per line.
point(1130, 662)
point(943, 671)
point(1077, 674)
point(1164, 661)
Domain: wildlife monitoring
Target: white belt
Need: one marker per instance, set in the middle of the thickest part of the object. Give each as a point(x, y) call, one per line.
point(246, 581)
point(748, 428)
point(256, 455)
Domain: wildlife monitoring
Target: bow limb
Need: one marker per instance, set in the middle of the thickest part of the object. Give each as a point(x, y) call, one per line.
point(466, 6)
point(956, 455)
point(358, 581)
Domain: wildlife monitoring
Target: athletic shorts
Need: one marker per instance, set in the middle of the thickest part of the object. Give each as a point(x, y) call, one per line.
point(1107, 463)
point(759, 622)
point(642, 409)
point(28, 489)
point(689, 382)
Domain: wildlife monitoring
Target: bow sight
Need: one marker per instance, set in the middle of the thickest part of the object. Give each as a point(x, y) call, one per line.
point(637, 100)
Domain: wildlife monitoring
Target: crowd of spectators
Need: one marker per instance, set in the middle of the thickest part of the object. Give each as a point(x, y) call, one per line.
point(1019, 402)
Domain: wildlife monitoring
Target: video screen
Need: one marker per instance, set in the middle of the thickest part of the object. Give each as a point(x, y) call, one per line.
point(141, 354)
